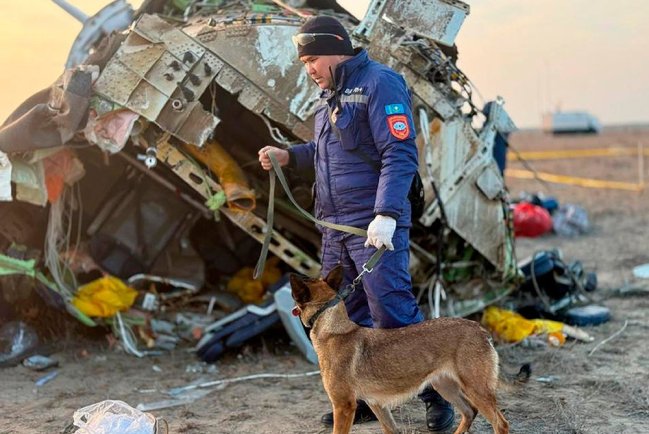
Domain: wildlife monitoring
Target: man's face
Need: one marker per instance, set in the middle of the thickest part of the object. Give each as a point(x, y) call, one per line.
point(318, 68)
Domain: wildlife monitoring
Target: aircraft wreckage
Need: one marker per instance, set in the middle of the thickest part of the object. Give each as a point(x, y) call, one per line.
point(140, 161)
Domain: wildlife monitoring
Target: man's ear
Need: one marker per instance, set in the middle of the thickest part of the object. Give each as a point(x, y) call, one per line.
point(299, 290)
point(335, 277)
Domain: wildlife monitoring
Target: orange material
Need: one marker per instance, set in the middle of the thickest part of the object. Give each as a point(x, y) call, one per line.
point(235, 185)
point(61, 168)
point(556, 339)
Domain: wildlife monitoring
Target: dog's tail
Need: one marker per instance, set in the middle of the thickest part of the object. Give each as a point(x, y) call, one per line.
point(507, 380)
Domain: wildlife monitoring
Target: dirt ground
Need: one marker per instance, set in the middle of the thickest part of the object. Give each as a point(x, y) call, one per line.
point(571, 391)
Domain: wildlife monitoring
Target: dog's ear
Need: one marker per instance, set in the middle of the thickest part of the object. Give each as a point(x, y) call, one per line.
point(299, 290)
point(335, 277)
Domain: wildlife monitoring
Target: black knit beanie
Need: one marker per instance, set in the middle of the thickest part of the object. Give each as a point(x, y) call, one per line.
point(325, 44)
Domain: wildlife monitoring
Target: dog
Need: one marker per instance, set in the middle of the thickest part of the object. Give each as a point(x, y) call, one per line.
point(385, 367)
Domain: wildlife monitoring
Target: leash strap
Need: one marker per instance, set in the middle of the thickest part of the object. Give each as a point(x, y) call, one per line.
point(261, 262)
point(277, 172)
point(338, 227)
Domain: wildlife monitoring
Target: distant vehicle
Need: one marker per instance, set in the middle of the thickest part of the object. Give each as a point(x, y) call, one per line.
point(576, 122)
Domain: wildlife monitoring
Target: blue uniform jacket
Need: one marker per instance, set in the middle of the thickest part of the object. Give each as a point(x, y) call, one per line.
point(376, 118)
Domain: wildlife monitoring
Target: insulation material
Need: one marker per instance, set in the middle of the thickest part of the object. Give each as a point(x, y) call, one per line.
point(235, 185)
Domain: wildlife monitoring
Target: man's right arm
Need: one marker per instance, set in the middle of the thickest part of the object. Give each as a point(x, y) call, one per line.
point(301, 156)
point(298, 157)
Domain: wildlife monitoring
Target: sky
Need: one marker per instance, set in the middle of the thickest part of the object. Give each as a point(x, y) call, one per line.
point(588, 55)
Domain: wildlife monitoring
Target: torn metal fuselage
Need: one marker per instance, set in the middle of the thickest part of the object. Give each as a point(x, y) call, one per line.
point(229, 73)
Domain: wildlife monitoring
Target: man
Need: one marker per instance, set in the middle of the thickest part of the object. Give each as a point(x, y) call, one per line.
point(365, 158)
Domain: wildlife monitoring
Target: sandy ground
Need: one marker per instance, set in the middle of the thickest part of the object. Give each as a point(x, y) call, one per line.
point(605, 392)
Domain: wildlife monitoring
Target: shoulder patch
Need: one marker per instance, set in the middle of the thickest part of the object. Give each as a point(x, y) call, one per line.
point(394, 109)
point(399, 126)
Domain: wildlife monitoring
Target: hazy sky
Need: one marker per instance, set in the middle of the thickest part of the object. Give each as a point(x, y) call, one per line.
point(575, 54)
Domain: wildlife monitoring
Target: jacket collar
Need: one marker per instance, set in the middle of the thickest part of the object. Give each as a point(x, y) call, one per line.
point(346, 69)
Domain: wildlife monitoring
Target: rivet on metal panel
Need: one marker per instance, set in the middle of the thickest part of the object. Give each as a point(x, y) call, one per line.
point(178, 105)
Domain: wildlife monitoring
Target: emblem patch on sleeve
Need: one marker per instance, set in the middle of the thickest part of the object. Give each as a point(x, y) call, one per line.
point(399, 126)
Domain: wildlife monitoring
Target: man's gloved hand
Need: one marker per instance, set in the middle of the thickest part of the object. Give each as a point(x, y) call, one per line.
point(380, 232)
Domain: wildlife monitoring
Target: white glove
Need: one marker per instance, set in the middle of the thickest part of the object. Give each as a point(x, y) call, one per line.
point(380, 232)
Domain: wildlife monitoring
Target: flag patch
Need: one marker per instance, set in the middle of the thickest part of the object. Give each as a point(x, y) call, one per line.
point(399, 126)
point(394, 109)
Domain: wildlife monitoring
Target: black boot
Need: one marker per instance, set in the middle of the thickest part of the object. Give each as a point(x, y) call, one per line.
point(439, 413)
point(363, 414)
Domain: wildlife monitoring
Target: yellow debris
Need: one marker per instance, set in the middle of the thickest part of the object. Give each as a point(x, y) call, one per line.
point(104, 297)
point(512, 327)
point(250, 290)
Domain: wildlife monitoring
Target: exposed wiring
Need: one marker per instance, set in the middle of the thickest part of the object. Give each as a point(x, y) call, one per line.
point(276, 134)
point(529, 167)
point(127, 337)
point(613, 336)
point(59, 237)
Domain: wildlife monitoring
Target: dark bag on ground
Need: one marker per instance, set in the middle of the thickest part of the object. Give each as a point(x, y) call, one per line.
point(548, 273)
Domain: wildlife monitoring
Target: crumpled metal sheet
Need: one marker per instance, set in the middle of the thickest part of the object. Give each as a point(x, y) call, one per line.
point(439, 20)
point(160, 73)
point(40, 175)
point(458, 161)
point(268, 79)
point(51, 117)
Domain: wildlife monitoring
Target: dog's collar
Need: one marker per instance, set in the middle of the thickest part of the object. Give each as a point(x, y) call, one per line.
point(340, 296)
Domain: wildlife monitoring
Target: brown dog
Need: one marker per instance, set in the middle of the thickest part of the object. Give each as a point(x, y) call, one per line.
point(388, 366)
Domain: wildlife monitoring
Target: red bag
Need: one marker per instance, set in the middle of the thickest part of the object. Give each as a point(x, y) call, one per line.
point(531, 220)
